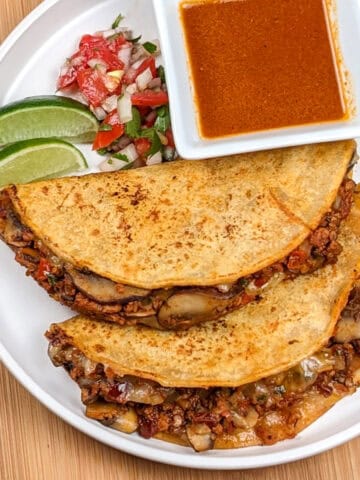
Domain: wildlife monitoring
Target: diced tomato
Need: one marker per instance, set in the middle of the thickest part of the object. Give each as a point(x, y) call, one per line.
point(144, 111)
point(148, 63)
point(170, 137)
point(99, 48)
point(245, 298)
point(43, 269)
point(67, 79)
point(142, 145)
point(259, 282)
point(116, 43)
point(111, 60)
point(149, 98)
point(91, 85)
point(107, 137)
point(91, 41)
point(131, 75)
point(112, 118)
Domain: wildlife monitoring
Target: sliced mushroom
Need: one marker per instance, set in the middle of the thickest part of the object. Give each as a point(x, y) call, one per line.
point(127, 422)
point(347, 330)
point(103, 290)
point(200, 437)
point(13, 232)
point(120, 417)
point(247, 421)
point(151, 321)
point(55, 353)
point(189, 307)
point(146, 392)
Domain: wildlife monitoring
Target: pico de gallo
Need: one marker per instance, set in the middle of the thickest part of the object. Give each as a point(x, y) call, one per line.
point(118, 77)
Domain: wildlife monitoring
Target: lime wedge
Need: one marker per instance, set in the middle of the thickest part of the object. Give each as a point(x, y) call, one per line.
point(45, 117)
point(29, 160)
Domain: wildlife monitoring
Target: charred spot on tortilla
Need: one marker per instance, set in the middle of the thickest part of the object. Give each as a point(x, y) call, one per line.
point(125, 248)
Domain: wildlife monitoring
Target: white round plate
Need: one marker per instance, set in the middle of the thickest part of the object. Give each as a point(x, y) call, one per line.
point(29, 64)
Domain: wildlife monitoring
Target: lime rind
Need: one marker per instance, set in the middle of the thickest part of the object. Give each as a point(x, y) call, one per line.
point(45, 117)
point(36, 159)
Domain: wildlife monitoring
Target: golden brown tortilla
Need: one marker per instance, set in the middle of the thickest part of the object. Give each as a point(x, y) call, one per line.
point(292, 321)
point(187, 223)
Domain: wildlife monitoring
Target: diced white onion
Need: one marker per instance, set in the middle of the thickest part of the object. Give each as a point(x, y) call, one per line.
point(77, 61)
point(170, 153)
point(154, 159)
point(124, 108)
point(124, 55)
point(125, 30)
point(142, 80)
point(110, 103)
point(99, 112)
point(80, 97)
point(132, 88)
point(97, 63)
point(108, 33)
point(131, 152)
point(155, 83)
point(112, 165)
point(107, 166)
point(65, 69)
point(138, 55)
point(224, 287)
point(136, 64)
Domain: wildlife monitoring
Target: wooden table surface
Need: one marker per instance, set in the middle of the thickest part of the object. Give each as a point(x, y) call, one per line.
point(36, 445)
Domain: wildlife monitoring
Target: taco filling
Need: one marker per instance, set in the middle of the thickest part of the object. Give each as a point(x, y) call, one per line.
point(261, 412)
point(177, 307)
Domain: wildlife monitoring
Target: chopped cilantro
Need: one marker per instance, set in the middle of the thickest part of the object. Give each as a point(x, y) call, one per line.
point(117, 21)
point(150, 47)
point(121, 156)
point(105, 127)
point(102, 151)
point(152, 135)
point(163, 119)
point(161, 73)
point(135, 40)
point(132, 128)
point(51, 279)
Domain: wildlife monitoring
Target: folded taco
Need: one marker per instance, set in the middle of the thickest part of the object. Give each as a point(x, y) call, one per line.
point(259, 375)
point(176, 244)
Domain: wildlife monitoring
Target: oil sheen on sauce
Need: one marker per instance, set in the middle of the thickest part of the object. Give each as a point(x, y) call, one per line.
point(261, 64)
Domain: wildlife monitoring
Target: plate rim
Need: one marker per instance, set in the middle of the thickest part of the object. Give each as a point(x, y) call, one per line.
point(127, 445)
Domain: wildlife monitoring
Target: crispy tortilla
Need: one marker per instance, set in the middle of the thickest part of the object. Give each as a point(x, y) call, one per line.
point(187, 223)
point(292, 321)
